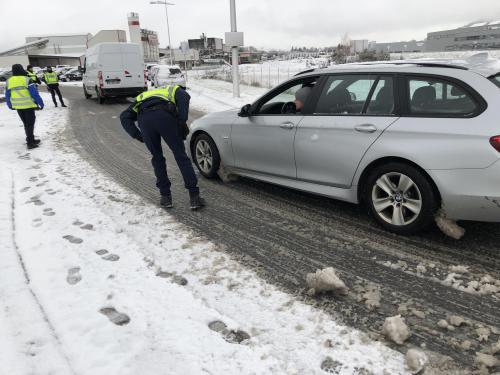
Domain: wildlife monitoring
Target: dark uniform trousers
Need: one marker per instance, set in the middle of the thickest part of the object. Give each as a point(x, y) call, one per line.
point(54, 89)
point(28, 118)
point(155, 125)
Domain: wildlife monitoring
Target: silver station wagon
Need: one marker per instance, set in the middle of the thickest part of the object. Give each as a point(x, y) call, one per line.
point(404, 138)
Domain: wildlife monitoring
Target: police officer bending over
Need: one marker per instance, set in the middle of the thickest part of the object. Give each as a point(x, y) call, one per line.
point(163, 113)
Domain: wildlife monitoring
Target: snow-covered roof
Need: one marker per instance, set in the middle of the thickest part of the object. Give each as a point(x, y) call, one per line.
point(22, 47)
point(481, 63)
point(482, 23)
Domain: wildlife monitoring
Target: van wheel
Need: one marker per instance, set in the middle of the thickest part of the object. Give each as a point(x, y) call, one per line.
point(100, 98)
point(206, 156)
point(87, 95)
point(400, 198)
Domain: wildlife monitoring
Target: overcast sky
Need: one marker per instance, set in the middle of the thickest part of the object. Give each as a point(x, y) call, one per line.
point(266, 23)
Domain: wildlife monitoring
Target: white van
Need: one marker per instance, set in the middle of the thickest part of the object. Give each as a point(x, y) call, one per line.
point(112, 70)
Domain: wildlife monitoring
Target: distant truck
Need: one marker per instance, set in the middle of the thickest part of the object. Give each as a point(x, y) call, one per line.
point(113, 70)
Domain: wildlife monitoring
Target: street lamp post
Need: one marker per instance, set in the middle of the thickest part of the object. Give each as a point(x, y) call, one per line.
point(168, 27)
point(236, 77)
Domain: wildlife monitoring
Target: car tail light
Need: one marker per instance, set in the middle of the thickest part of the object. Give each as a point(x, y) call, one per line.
point(495, 142)
point(126, 72)
point(101, 80)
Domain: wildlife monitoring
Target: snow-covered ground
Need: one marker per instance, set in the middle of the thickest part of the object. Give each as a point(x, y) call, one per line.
point(93, 280)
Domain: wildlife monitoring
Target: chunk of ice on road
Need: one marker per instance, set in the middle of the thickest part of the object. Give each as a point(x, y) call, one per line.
point(415, 360)
point(448, 226)
point(325, 280)
point(395, 329)
point(486, 360)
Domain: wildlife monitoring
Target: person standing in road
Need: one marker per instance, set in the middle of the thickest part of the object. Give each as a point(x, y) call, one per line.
point(22, 95)
point(32, 76)
point(52, 81)
point(163, 113)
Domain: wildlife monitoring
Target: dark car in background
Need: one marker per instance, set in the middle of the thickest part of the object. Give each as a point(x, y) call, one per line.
point(73, 74)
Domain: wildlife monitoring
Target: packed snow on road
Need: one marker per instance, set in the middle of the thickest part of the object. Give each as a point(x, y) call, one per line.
point(95, 280)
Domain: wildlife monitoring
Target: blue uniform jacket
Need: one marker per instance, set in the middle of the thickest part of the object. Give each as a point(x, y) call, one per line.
point(128, 117)
point(33, 92)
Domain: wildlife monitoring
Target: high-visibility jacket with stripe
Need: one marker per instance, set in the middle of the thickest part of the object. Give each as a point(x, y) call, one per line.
point(32, 76)
point(167, 93)
point(20, 97)
point(50, 78)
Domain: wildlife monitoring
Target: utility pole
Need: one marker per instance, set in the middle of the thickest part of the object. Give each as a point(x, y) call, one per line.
point(236, 77)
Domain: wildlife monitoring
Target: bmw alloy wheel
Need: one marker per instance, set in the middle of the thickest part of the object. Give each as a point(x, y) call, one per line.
point(204, 156)
point(396, 199)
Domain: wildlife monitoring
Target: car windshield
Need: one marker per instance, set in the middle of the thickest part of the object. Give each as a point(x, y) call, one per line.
point(496, 79)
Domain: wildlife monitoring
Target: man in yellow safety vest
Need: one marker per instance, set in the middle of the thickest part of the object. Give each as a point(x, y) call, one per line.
point(163, 113)
point(52, 81)
point(32, 76)
point(22, 95)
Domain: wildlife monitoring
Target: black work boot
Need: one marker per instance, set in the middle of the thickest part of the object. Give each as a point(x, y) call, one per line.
point(32, 145)
point(63, 105)
point(166, 201)
point(195, 201)
point(36, 141)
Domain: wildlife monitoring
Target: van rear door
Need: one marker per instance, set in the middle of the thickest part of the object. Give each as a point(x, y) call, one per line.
point(133, 65)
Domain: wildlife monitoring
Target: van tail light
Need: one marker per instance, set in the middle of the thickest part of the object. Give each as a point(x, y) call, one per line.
point(495, 142)
point(101, 80)
point(127, 72)
point(145, 78)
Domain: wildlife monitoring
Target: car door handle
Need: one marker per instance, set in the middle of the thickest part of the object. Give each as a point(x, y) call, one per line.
point(366, 128)
point(287, 125)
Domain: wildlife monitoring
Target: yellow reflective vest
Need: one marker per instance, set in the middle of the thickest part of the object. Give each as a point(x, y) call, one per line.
point(20, 96)
point(50, 78)
point(32, 76)
point(167, 93)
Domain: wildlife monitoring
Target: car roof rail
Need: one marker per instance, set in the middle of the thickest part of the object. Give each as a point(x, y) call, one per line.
point(429, 64)
point(304, 72)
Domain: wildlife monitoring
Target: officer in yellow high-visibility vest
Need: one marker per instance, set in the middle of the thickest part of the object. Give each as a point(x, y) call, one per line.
point(163, 113)
point(52, 81)
point(32, 76)
point(22, 95)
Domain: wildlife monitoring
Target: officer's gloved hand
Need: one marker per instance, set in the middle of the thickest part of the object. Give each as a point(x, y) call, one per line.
point(40, 107)
point(139, 138)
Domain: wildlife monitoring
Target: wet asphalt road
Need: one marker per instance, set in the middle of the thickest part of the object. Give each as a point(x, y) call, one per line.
point(285, 234)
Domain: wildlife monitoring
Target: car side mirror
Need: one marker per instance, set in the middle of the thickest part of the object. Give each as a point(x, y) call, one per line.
point(245, 111)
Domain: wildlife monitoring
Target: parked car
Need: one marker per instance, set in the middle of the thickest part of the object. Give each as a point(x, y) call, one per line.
point(5, 75)
point(114, 70)
point(168, 75)
point(148, 68)
point(2, 89)
point(405, 139)
point(73, 74)
point(64, 70)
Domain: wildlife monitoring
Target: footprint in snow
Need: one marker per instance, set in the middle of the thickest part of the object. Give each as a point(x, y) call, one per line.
point(107, 256)
point(24, 189)
point(77, 222)
point(87, 227)
point(114, 316)
point(74, 276)
point(48, 212)
point(73, 239)
point(231, 336)
point(331, 366)
point(25, 157)
point(175, 278)
point(33, 179)
point(50, 191)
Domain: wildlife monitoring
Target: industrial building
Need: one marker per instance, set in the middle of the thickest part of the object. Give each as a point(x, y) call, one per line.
point(481, 35)
point(45, 50)
point(358, 46)
point(398, 47)
point(69, 49)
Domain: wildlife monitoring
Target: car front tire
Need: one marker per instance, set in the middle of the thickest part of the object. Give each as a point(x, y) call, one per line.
point(85, 92)
point(206, 156)
point(400, 198)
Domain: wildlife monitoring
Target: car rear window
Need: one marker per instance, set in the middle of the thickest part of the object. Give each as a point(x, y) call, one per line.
point(496, 79)
point(436, 97)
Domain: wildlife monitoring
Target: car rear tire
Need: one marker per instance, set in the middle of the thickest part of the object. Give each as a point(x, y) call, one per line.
point(87, 95)
point(400, 198)
point(206, 156)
